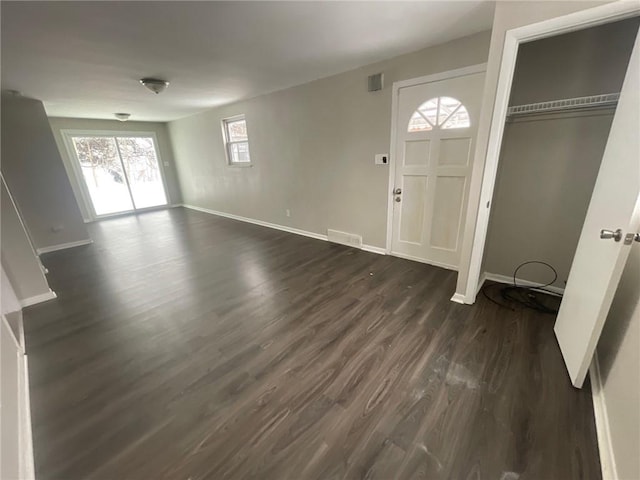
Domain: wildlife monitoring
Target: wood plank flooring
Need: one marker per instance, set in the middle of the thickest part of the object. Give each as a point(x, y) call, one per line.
point(187, 346)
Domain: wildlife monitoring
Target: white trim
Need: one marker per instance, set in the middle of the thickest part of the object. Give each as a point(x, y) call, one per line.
point(225, 140)
point(567, 23)
point(422, 260)
point(457, 298)
point(372, 249)
point(603, 431)
point(395, 92)
point(21, 336)
point(43, 297)
point(27, 464)
point(446, 75)
point(392, 169)
point(283, 228)
point(495, 277)
point(483, 278)
point(275, 226)
point(63, 246)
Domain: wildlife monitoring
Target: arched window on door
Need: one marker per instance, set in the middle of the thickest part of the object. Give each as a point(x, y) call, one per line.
point(442, 112)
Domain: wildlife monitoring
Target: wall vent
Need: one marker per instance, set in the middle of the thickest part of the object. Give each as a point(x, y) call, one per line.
point(375, 82)
point(344, 238)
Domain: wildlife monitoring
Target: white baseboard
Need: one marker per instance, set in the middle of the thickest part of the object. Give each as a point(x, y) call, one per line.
point(275, 226)
point(605, 446)
point(297, 231)
point(421, 260)
point(494, 277)
point(372, 249)
point(62, 246)
point(458, 298)
point(27, 302)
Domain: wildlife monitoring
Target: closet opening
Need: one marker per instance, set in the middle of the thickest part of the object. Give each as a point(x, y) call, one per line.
point(563, 99)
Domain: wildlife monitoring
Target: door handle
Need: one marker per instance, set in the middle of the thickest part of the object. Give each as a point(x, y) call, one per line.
point(397, 191)
point(608, 234)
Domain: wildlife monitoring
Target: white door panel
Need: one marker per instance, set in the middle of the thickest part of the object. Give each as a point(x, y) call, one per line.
point(598, 263)
point(432, 167)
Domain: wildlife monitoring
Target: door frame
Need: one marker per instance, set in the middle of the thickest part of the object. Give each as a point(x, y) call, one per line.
point(580, 20)
point(67, 135)
point(436, 77)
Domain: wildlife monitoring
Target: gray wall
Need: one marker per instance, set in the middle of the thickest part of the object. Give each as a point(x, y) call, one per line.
point(33, 170)
point(578, 64)
point(312, 147)
point(619, 356)
point(164, 149)
point(547, 171)
point(9, 302)
point(18, 258)
point(549, 163)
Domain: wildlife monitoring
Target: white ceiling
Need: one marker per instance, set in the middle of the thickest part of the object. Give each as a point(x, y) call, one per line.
point(84, 59)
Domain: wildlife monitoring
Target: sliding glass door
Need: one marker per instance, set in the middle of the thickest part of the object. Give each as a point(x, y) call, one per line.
point(121, 173)
point(140, 161)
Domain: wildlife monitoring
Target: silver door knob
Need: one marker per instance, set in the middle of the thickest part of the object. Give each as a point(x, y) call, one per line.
point(608, 234)
point(397, 191)
point(397, 199)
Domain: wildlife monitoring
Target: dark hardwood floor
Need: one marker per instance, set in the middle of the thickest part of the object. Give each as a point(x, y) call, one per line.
point(187, 346)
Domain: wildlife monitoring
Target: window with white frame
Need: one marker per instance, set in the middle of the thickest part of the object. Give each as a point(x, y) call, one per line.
point(236, 140)
point(439, 113)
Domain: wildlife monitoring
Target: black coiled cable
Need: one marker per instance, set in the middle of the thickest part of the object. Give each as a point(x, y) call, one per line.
point(525, 296)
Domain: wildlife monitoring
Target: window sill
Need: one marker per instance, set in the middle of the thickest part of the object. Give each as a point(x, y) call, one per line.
point(240, 165)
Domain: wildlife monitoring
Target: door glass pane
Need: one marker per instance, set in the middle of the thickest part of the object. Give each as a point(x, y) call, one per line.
point(141, 164)
point(102, 172)
point(429, 111)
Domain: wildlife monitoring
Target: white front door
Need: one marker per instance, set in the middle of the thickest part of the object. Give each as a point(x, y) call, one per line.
point(436, 125)
point(598, 262)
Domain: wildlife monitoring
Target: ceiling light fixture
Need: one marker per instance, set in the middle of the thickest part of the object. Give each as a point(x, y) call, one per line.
point(123, 117)
point(156, 85)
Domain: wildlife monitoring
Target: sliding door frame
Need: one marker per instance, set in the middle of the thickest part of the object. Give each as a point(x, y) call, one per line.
point(67, 136)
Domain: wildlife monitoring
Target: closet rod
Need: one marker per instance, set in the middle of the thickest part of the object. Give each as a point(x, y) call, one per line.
point(565, 104)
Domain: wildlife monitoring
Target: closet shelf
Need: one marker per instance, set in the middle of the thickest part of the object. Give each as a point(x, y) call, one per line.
point(565, 104)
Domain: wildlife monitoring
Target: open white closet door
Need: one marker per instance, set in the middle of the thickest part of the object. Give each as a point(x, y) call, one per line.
point(612, 220)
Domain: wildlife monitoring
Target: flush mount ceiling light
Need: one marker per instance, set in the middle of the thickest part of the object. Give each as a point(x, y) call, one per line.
point(154, 84)
point(123, 117)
